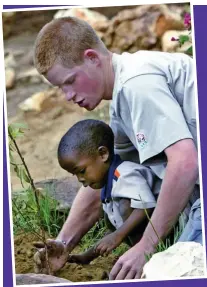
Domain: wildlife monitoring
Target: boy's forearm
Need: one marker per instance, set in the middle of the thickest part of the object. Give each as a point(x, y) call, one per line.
point(137, 217)
point(84, 213)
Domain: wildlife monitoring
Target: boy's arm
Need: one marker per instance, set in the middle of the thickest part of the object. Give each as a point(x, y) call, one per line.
point(111, 241)
point(84, 213)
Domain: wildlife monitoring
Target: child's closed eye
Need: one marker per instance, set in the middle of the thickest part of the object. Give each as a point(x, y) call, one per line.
point(70, 81)
point(82, 171)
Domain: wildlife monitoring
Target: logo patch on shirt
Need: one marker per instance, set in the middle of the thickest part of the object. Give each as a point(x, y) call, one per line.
point(142, 141)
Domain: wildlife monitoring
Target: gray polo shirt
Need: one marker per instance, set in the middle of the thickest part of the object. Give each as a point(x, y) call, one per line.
point(153, 105)
point(135, 182)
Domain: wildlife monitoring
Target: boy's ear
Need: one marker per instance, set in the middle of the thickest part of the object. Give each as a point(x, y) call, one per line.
point(92, 56)
point(104, 153)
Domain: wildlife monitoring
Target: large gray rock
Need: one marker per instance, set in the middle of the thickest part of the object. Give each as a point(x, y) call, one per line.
point(183, 259)
point(63, 190)
point(31, 278)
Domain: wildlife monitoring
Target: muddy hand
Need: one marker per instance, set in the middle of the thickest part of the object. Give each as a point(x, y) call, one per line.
point(83, 258)
point(57, 256)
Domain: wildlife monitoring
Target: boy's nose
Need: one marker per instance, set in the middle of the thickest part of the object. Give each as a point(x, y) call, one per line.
point(70, 96)
point(81, 179)
point(83, 183)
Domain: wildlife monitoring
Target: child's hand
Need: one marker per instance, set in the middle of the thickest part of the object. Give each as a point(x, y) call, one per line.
point(57, 256)
point(108, 243)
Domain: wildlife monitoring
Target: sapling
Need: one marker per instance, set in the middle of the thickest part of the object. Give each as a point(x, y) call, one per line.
point(21, 169)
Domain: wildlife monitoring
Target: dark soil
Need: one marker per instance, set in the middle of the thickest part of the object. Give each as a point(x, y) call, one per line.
point(95, 271)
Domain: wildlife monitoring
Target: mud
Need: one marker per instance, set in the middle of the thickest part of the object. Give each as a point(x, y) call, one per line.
point(95, 271)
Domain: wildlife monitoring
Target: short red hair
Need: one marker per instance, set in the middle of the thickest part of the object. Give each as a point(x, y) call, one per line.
point(64, 40)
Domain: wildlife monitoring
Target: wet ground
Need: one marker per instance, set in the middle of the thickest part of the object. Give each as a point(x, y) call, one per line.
point(95, 271)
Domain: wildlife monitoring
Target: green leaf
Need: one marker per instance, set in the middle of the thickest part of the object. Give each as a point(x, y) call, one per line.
point(189, 51)
point(20, 173)
point(21, 176)
point(11, 156)
point(17, 129)
point(25, 176)
point(18, 126)
point(24, 205)
point(9, 128)
point(183, 39)
point(16, 170)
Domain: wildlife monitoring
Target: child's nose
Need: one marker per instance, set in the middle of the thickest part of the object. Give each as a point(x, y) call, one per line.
point(81, 179)
point(70, 95)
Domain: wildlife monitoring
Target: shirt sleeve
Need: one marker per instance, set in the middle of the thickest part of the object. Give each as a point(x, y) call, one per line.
point(136, 183)
point(157, 118)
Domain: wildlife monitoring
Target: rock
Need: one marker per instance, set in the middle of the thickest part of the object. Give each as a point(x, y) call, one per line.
point(31, 278)
point(112, 11)
point(167, 20)
point(180, 260)
point(27, 58)
point(98, 21)
point(28, 22)
point(29, 76)
point(174, 46)
point(140, 28)
point(8, 22)
point(9, 60)
point(29, 253)
point(34, 103)
point(10, 78)
point(38, 101)
point(63, 190)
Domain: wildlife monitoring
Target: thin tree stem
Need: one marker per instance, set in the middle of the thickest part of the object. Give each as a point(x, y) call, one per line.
point(36, 196)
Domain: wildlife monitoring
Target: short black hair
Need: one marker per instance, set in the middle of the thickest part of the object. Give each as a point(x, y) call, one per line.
point(86, 137)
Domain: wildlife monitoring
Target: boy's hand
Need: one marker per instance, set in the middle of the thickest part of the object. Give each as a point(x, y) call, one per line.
point(57, 256)
point(108, 243)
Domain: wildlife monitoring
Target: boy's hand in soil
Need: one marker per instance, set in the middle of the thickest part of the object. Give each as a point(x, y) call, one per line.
point(103, 247)
point(108, 243)
point(57, 256)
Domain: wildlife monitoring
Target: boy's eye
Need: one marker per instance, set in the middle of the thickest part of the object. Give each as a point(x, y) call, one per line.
point(82, 171)
point(71, 80)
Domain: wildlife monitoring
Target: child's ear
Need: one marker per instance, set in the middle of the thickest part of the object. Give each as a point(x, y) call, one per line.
point(104, 153)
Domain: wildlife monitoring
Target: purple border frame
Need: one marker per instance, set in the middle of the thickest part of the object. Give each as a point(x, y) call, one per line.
point(200, 13)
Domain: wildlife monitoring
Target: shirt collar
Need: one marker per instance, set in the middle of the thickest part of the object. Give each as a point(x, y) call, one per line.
point(106, 190)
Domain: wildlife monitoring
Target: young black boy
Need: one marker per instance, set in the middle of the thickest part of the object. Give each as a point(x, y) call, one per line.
point(87, 151)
